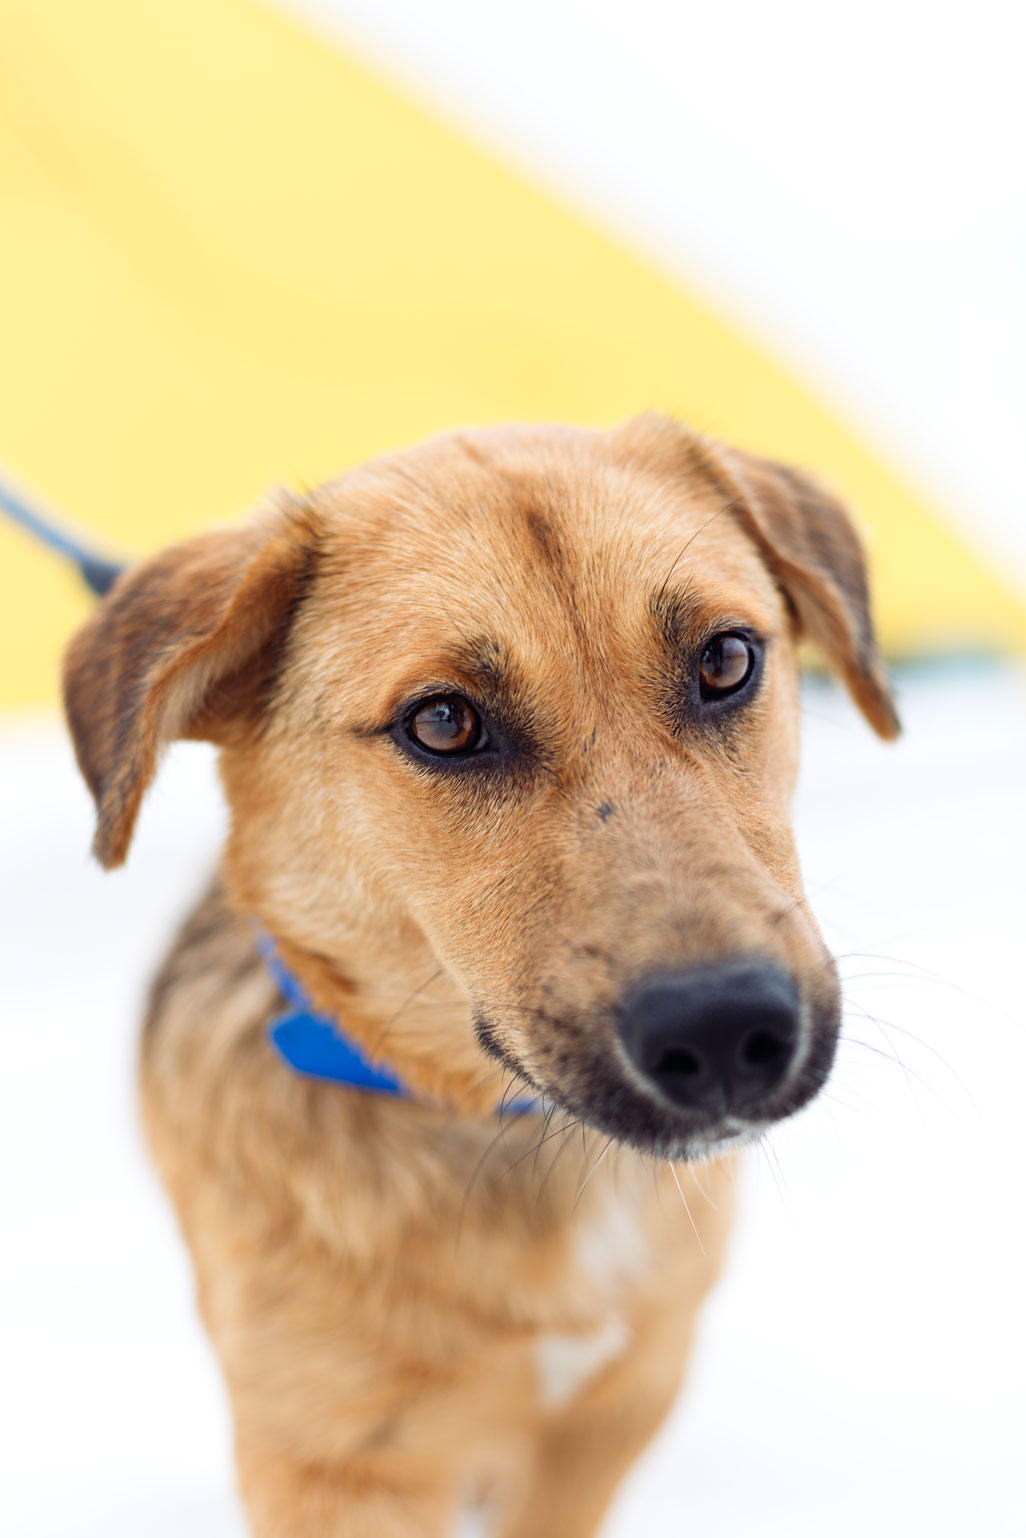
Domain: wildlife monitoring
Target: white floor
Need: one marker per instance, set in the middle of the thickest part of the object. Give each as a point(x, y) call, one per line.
point(862, 1370)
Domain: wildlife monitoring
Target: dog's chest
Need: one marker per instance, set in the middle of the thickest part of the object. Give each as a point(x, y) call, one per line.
point(611, 1256)
point(565, 1364)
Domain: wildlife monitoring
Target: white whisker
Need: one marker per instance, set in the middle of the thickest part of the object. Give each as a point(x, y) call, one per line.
point(777, 1174)
point(591, 1172)
point(701, 1188)
point(687, 1209)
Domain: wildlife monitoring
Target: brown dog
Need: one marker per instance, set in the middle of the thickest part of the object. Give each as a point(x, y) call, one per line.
point(509, 730)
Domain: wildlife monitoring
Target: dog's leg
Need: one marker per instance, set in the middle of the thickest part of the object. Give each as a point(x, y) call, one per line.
point(290, 1499)
point(583, 1454)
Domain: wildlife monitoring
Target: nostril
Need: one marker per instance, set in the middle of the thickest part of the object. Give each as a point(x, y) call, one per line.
point(761, 1047)
point(679, 1063)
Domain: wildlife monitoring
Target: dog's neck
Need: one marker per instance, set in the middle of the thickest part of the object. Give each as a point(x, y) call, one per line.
point(318, 1044)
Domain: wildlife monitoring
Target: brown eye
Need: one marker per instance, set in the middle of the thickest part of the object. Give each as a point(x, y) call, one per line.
point(447, 724)
point(726, 663)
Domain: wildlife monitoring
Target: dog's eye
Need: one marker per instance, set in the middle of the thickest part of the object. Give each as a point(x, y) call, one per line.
point(725, 665)
point(447, 724)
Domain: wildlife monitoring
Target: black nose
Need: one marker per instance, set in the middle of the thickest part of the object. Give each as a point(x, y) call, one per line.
point(718, 1038)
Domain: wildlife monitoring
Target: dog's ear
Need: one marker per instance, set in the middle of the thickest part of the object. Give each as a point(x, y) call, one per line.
point(185, 645)
point(803, 534)
point(808, 541)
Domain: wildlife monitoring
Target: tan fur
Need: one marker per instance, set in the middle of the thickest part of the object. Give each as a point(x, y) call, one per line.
point(392, 1285)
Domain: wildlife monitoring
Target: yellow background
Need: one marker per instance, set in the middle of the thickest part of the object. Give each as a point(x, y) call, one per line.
point(230, 256)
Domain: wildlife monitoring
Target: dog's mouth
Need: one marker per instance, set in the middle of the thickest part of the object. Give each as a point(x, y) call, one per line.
point(697, 1064)
point(646, 1120)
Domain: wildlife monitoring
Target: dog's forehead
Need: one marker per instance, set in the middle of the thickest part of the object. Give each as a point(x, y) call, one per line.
point(539, 528)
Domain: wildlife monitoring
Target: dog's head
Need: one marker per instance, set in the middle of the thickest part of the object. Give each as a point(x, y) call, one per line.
point(509, 730)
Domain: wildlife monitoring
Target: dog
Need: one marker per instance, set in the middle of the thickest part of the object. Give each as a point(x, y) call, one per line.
point(508, 730)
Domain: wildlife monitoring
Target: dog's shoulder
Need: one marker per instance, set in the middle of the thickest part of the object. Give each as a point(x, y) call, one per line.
point(213, 961)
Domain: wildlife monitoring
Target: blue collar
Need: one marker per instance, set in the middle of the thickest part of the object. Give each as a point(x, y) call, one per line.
point(316, 1045)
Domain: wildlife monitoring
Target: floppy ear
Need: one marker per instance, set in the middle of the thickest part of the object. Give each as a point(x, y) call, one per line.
point(185, 645)
point(803, 534)
point(808, 541)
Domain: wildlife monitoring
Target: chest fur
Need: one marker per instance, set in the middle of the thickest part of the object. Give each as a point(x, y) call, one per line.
point(611, 1256)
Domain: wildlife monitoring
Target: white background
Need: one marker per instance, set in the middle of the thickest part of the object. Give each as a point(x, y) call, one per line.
point(847, 184)
point(862, 1368)
point(844, 181)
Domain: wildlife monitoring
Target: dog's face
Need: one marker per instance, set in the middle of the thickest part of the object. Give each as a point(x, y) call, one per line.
point(517, 711)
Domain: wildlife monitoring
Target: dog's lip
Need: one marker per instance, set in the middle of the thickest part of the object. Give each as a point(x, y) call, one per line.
point(723, 1137)
point(620, 1103)
point(676, 1137)
point(651, 1125)
point(733, 1134)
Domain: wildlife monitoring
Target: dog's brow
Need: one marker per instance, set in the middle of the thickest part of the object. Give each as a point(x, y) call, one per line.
point(479, 664)
point(483, 659)
point(676, 612)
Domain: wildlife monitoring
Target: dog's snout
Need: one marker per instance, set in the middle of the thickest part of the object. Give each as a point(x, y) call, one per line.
point(716, 1039)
